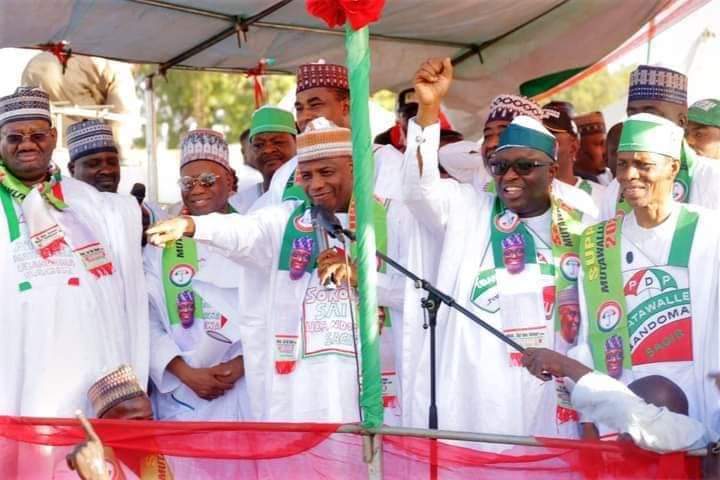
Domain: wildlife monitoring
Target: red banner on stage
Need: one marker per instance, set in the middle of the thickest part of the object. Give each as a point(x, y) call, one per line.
point(35, 448)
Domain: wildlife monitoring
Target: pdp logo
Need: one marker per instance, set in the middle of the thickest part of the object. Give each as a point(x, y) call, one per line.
point(678, 191)
point(570, 266)
point(181, 275)
point(303, 222)
point(507, 221)
point(609, 315)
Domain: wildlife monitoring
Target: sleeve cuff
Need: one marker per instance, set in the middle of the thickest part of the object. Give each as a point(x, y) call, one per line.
point(164, 380)
point(205, 225)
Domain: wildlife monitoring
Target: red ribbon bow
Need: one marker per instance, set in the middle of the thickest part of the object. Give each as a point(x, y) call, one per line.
point(335, 12)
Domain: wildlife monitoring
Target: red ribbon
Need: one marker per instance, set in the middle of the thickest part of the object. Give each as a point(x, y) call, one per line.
point(335, 13)
point(61, 50)
point(256, 74)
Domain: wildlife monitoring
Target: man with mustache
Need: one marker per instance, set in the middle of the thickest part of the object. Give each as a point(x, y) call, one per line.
point(270, 144)
point(73, 290)
point(481, 266)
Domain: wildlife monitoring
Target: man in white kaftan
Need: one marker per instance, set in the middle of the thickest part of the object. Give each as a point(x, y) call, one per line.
point(73, 290)
point(301, 344)
point(196, 358)
point(481, 386)
point(649, 279)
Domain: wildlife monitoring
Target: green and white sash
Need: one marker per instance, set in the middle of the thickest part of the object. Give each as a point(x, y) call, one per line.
point(179, 266)
point(665, 286)
point(565, 230)
point(51, 223)
point(293, 284)
point(526, 302)
point(585, 186)
point(293, 190)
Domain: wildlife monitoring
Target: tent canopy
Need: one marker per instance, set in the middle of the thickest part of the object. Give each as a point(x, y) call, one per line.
point(495, 45)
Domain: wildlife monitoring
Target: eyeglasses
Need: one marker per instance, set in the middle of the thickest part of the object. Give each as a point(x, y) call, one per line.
point(35, 137)
point(206, 179)
point(522, 167)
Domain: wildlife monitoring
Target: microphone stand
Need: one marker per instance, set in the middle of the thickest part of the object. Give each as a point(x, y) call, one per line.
point(431, 304)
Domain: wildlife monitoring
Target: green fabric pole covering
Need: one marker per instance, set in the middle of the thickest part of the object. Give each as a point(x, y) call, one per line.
point(357, 46)
point(539, 85)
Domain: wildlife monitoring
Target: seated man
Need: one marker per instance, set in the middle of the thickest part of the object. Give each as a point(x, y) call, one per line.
point(653, 411)
point(196, 360)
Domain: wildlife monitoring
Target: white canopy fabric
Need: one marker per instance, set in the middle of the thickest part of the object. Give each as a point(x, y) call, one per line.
point(497, 44)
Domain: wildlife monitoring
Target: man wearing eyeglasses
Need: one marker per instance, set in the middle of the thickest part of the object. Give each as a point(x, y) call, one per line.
point(299, 324)
point(481, 384)
point(73, 291)
point(196, 359)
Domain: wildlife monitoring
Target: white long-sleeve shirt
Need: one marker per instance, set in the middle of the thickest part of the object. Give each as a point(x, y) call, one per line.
point(603, 399)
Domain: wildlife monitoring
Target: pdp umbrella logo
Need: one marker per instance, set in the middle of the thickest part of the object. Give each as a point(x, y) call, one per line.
point(570, 266)
point(181, 275)
point(649, 282)
point(303, 222)
point(507, 221)
point(609, 315)
point(679, 190)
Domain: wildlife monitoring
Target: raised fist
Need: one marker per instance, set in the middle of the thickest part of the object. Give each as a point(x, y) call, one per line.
point(432, 81)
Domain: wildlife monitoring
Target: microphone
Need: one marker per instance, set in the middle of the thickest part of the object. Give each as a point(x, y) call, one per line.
point(320, 230)
point(138, 191)
point(327, 221)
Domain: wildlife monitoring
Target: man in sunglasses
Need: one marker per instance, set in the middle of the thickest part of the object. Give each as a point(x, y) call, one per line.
point(504, 257)
point(73, 291)
point(196, 360)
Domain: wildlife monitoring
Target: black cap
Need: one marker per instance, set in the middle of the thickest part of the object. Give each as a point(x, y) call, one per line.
point(558, 117)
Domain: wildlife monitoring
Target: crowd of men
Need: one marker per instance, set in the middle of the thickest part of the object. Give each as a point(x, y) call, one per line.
point(594, 249)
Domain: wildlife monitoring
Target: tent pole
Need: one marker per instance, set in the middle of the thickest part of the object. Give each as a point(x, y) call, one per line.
point(372, 453)
point(151, 140)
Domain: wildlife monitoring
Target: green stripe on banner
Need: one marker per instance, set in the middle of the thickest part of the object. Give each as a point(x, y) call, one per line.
point(539, 85)
point(357, 47)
